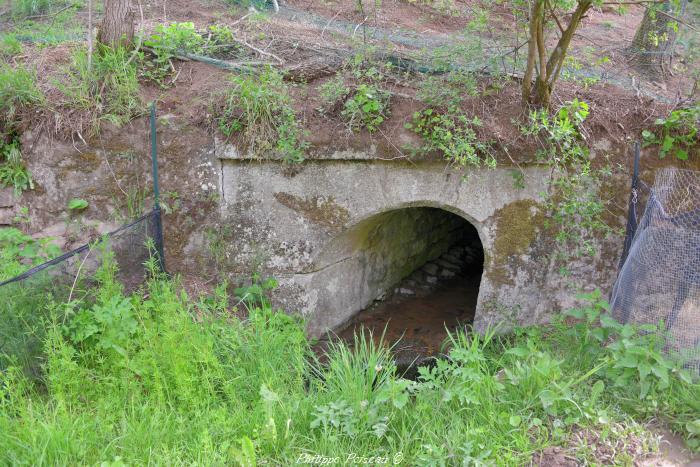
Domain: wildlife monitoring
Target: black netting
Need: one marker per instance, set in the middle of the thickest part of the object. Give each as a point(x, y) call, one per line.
point(31, 300)
point(660, 277)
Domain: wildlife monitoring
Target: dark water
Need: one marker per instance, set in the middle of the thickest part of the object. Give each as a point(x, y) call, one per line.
point(416, 326)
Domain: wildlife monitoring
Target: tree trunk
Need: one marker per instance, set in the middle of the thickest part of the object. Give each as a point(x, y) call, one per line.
point(655, 39)
point(535, 16)
point(118, 24)
point(543, 93)
point(547, 70)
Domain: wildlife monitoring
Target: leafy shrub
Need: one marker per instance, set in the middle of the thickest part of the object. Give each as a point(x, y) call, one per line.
point(573, 200)
point(18, 89)
point(454, 135)
point(366, 108)
point(445, 127)
point(20, 252)
point(366, 104)
point(260, 108)
point(168, 41)
point(677, 133)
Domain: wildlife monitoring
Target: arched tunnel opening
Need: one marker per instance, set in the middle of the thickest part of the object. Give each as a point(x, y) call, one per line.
point(421, 268)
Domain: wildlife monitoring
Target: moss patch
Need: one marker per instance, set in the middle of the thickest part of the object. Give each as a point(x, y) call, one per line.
point(517, 225)
point(319, 210)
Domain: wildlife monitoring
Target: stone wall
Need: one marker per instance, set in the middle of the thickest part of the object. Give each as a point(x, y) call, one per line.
point(7, 207)
point(306, 227)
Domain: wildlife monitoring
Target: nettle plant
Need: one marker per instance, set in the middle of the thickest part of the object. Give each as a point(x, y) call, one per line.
point(631, 357)
point(368, 104)
point(573, 199)
point(363, 104)
point(677, 133)
point(19, 252)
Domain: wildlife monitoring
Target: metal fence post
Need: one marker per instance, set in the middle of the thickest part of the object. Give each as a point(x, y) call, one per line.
point(156, 191)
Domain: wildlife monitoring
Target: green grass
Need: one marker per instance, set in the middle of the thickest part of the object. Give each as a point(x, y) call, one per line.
point(44, 21)
point(259, 110)
point(9, 46)
point(159, 378)
point(108, 89)
point(18, 92)
point(17, 89)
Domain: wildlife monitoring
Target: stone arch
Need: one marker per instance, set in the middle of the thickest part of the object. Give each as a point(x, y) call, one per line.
point(346, 275)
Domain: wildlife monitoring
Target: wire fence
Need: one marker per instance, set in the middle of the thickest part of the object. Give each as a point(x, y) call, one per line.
point(659, 280)
point(31, 300)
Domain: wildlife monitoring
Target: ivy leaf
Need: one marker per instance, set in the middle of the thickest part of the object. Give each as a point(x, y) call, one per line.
point(648, 135)
point(77, 204)
point(667, 144)
point(693, 427)
point(682, 155)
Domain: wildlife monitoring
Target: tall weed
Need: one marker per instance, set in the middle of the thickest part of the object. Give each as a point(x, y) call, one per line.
point(259, 109)
point(108, 90)
point(157, 378)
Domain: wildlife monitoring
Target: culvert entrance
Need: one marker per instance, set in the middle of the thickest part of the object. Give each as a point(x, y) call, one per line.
point(430, 261)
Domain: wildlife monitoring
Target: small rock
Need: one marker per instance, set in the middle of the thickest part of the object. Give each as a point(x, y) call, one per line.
point(431, 279)
point(452, 258)
point(7, 198)
point(7, 216)
point(431, 268)
point(416, 276)
point(448, 265)
point(457, 251)
point(404, 291)
point(447, 273)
